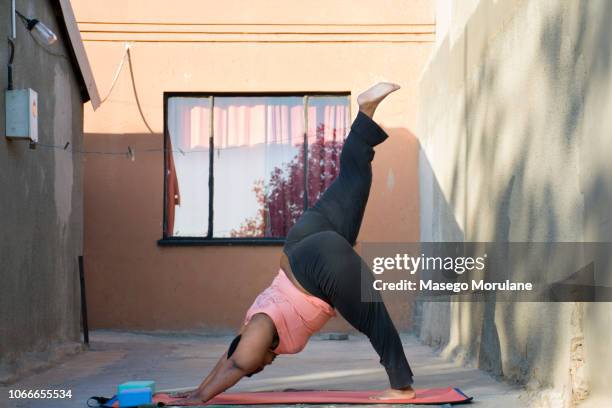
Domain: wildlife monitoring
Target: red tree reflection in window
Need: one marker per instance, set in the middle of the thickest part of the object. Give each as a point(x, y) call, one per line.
point(281, 202)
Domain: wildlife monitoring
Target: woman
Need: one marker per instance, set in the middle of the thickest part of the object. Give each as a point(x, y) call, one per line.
point(320, 271)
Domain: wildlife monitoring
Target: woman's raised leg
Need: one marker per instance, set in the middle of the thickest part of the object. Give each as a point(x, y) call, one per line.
point(344, 201)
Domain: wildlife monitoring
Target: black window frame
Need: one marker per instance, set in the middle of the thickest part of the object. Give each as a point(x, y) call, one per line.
point(167, 240)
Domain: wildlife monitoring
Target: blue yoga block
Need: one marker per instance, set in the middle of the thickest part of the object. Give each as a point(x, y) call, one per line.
point(137, 384)
point(134, 397)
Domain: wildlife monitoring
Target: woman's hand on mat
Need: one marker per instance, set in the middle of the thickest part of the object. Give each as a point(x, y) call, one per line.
point(182, 394)
point(390, 394)
point(187, 398)
point(192, 401)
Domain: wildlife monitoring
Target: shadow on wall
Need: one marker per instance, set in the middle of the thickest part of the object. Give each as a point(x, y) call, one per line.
point(438, 223)
point(530, 128)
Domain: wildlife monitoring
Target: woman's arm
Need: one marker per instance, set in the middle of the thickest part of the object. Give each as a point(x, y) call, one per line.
point(185, 394)
point(227, 373)
point(250, 356)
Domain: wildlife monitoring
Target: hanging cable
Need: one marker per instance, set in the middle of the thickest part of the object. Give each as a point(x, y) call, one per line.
point(23, 18)
point(10, 63)
point(117, 72)
point(129, 54)
point(68, 148)
point(130, 151)
point(133, 80)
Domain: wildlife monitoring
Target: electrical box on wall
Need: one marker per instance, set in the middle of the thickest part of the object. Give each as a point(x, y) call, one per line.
point(22, 114)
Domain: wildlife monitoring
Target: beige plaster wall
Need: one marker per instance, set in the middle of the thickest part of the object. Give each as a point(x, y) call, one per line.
point(515, 133)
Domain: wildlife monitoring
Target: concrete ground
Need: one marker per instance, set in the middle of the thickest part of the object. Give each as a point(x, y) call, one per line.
point(178, 361)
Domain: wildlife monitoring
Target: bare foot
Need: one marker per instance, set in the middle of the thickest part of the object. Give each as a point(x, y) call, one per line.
point(391, 394)
point(369, 100)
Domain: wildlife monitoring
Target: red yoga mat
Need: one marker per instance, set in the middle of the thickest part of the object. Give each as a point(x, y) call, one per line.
point(447, 395)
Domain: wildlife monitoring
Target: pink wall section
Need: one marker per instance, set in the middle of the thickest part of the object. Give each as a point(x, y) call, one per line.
point(135, 284)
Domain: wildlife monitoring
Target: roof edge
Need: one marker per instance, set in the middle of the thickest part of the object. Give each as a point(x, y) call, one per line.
point(78, 49)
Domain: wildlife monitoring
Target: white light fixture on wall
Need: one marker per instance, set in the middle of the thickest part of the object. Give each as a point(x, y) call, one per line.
point(38, 29)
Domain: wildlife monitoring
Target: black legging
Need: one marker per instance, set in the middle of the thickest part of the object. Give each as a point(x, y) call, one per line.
point(322, 258)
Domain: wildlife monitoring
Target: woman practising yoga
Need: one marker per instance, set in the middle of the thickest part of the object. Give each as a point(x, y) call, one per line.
point(319, 272)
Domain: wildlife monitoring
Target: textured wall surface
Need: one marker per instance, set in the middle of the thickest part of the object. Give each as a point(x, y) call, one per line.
point(40, 205)
point(515, 136)
point(207, 46)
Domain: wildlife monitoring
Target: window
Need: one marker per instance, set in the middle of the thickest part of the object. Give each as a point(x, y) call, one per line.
point(245, 167)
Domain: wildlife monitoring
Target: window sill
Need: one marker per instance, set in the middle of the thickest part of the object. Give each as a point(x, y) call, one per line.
point(195, 241)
